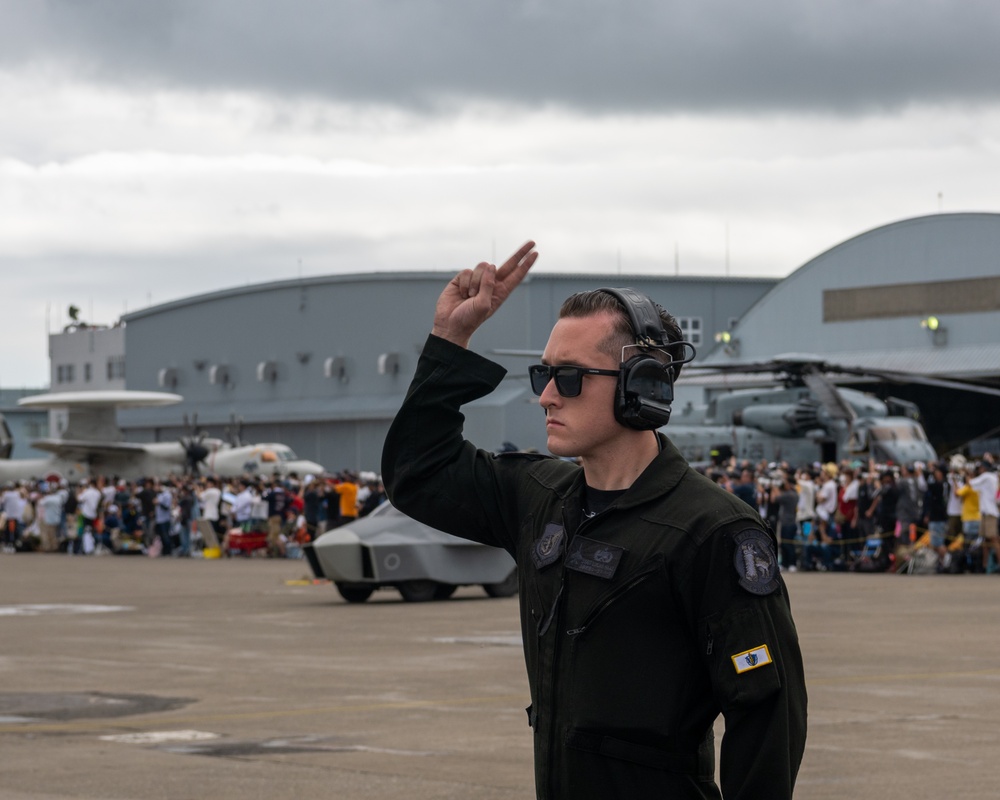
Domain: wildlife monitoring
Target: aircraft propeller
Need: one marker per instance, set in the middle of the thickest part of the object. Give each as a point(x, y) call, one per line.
point(193, 442)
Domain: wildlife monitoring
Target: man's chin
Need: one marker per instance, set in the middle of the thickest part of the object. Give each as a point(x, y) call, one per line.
point(558, 448)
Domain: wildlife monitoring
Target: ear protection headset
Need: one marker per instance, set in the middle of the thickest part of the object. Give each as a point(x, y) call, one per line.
point(645, 384)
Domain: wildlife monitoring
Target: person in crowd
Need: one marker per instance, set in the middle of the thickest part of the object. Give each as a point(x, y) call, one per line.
point(935, 511)
point(313, 498)
point(186, 515)
point(164, 516)
point(147, 506)
point(12, 503)
point(375, 498)
point(277, 510)
point(49, 515)
point(970, 511)
point(847, 508)
point(210, 499)
point(985, 484)
point(746, 488)
point(346, 488)
point(258, 506)
point(826, 502)
point(90, 499)
point(109, 535)
point(909, 491)
point(243, 507)
point(805, 514)
point(787, 501)
point(885, 501)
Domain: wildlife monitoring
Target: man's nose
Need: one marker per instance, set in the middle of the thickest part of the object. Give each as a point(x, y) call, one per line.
point(549, 396)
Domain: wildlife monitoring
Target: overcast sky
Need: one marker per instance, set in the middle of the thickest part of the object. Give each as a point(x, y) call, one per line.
point(153, 150)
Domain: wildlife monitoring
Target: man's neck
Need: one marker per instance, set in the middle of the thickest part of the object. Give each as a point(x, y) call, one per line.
point(619, 466)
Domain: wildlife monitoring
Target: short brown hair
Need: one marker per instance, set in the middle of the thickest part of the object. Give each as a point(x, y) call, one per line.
point(585, 304)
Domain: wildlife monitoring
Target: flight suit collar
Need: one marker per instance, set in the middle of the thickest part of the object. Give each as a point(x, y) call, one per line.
point(659, 478)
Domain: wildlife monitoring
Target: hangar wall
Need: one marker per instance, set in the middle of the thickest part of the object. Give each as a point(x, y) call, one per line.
point(322, 363)
point(866, 297)
point(862, 303)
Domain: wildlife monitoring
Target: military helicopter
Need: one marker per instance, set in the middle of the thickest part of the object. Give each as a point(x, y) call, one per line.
point(805, 418)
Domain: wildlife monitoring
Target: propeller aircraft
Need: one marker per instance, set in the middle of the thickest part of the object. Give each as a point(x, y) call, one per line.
point(92, 444)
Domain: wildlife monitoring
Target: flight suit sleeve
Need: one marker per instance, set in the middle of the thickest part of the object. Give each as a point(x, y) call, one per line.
point(752, 654)
point(429, 470)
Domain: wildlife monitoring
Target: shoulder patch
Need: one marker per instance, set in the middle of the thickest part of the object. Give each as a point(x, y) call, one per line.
point(755, 562)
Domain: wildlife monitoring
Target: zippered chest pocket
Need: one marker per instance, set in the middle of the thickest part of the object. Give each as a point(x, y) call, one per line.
point(583, 613)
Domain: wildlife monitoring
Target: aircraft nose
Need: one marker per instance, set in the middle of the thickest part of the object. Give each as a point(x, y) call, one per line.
point(306, 467)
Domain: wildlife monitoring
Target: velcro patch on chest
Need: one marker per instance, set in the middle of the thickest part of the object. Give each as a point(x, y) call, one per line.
point(599, 559)
point(755, 562)
point(549, 546)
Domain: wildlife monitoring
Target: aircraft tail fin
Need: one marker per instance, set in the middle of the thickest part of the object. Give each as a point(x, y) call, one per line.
point(6, 439)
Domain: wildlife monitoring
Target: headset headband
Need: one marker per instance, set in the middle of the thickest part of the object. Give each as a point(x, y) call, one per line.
point(644, 316)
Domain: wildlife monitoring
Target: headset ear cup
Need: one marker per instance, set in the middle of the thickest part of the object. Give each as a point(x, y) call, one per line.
point(644, 394)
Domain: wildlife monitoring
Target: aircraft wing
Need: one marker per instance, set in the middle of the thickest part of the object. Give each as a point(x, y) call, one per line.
point(82, 449)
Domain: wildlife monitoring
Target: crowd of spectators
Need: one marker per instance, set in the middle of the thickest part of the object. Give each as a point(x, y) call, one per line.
point(182, 516)
point(851, 515)
point(836, 516)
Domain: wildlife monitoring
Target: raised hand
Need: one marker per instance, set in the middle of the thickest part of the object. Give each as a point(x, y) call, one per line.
point(472, 296)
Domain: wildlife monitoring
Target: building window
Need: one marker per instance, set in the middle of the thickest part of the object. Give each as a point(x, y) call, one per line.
point(116, 367)
point(64, 373)
point(87, 373)
point(691, 328)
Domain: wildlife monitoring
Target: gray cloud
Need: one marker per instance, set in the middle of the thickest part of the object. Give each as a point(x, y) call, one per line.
point(592, 55)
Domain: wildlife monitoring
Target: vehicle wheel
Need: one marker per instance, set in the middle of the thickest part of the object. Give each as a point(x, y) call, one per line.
point(443, 591)
point(506, 588)
point(417, 591)
point(355, 594)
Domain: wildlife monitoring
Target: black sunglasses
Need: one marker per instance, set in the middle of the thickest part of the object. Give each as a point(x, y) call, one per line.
point(569, 379)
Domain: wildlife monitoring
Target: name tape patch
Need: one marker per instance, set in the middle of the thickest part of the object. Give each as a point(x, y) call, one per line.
point(594, 558)
point(752, 659)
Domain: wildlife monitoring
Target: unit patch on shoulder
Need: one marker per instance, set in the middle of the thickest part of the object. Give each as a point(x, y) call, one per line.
point(751, 659)
point(755, 562)
point(549, 547)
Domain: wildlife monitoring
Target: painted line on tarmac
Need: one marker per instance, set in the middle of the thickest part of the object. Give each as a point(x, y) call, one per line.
point(97, 725)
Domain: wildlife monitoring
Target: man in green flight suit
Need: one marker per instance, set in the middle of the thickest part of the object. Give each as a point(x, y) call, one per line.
point(650, 599)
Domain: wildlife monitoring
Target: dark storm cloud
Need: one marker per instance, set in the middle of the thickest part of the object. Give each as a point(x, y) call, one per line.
point(594, 55)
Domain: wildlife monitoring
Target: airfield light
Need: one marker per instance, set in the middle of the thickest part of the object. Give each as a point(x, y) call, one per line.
point(730, 344)
point(939, 333)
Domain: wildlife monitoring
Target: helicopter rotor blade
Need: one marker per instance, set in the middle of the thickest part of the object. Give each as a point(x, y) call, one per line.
point(828, 396)
point(911, 377)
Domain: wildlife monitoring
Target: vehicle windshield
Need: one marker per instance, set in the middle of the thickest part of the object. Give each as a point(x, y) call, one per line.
point(897, 433)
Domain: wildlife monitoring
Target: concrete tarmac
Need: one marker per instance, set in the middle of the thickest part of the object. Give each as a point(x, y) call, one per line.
point(128, 678)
